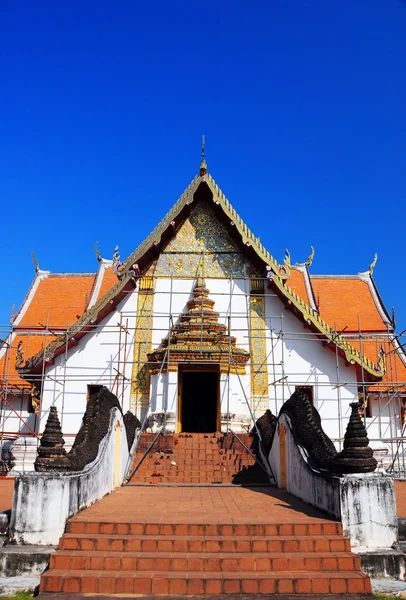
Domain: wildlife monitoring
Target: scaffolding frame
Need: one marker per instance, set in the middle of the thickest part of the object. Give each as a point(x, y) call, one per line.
point(386, 398)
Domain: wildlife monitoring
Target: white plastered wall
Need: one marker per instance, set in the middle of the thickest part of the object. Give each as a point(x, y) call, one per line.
point(293, 353)
point(94, 361)
point(170, 298)
point(297, 357)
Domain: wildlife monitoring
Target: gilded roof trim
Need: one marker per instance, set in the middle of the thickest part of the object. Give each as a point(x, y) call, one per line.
point(89, 316)
point(249, 239)
point(352, 355)
point(247, 236)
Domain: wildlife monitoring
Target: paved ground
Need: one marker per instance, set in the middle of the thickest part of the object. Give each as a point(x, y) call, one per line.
point(200, 505)
point(7, 486)
point(43, 596)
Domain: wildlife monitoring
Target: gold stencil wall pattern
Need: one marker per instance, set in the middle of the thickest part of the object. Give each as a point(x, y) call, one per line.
point(203, 239)
point(140, 378)
point(259, 366)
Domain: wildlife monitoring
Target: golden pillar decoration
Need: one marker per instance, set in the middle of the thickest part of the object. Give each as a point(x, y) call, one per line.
point(259, 361)
point(140, 378)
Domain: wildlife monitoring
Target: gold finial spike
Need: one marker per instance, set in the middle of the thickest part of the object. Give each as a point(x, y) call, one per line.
point(98, 254)
point(309, 261)
point(203, 163)
point(286, 261)
point(372, 265)
point(34, 260)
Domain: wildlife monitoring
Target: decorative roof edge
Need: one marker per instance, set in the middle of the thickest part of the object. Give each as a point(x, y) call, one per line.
point(104, 264)
point(352, 355)
point(304, 269)
point(40, 275)
point(89, 316)
point(367, 277)
point(248, 238)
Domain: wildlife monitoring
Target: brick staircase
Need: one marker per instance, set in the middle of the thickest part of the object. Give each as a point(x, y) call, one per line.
point(205, 539)
point(196, 559)
point(197, 458)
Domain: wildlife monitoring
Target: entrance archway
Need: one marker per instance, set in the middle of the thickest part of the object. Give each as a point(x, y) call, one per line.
point(199, 400)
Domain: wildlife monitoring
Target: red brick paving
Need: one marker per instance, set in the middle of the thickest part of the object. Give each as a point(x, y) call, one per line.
point(197, 458)
point(61, 596)
point(6, 493)
point(149, 504)
point(203, 540)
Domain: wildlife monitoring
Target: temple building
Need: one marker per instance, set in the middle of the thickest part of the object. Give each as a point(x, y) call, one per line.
point(200, 329)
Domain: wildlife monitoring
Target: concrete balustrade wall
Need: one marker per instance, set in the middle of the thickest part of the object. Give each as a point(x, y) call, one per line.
point(44, 501)
point(364, 503)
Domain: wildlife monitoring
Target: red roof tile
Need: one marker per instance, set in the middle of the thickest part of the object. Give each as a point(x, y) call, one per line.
point(342, 299)
point(109, 280)
point(296, 281)
point(60, 299)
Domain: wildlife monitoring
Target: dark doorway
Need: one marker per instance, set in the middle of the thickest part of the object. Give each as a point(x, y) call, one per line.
point(199, 402)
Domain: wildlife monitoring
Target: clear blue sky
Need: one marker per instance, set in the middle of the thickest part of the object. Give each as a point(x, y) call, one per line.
point(102, 106)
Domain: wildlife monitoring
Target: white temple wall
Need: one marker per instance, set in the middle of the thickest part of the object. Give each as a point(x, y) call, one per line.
point(92, 362)
point(170, 298)
point(232, 397)
point(17, 420)
point(164, 392)
point(295, 353)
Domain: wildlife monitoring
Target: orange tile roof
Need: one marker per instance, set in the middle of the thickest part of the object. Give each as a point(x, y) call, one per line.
point(31, 344)
point(342, 299)
point(297, 282)
point(60, 298)
point(395, 368)
point(109, 280)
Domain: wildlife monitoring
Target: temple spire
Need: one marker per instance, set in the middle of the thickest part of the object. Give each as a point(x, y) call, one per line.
point(203, 164)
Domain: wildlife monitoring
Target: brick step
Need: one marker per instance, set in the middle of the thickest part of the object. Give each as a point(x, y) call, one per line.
point(198, 455)
point(200, 462)
point(196, 544)
point(205, 562)
point(179, 471)
point(192, 472)
point(186, 470)
point(184, 481)
point(182, 582)
point(152, 479)
point(188, 459)
point(188, 477)
point(319, 529)
point(168, 458)
point(196, 465)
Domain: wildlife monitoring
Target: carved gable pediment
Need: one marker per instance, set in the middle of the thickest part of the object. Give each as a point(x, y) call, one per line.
point(203, 236)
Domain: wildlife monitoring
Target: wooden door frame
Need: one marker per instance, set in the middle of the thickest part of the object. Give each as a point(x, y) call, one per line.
point(197, 369)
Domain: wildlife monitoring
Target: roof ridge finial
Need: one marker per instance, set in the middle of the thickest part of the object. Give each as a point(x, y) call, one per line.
point(98, 254)
point(34, 260)
point(372, 265)
point(203, 163)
